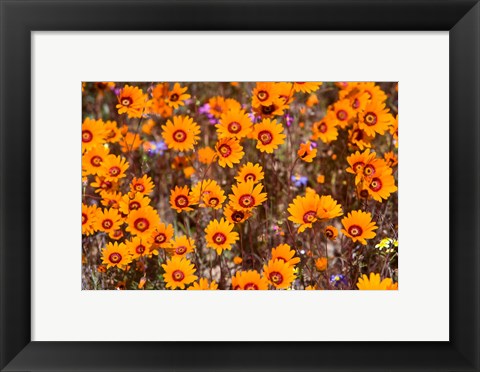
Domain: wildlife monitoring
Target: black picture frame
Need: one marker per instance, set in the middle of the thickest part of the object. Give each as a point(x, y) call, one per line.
point(18, 18)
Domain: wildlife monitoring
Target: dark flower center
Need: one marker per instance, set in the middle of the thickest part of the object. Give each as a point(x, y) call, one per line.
point(376, 184)
point(179, 136)
point(370, 118)
point(234, 127)
point(309, 217)
point(87, 136)
point(106, 224)
point(265, 137)
point(219, 238)
point(126, 101)
point(225, 150)
point(114, 171)
point(262, 95)
point(141, 224)
point(96, 161)
point(355, 230)
point(115, 257)
point(246, 201)
point(342, 115)
point(178, 275)
point(276, 277)
point(181, 201)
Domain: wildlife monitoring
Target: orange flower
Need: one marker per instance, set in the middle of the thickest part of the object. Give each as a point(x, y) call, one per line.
point(131, 101)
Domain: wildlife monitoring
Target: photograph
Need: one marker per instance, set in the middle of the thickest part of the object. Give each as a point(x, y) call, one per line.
point(239, 185)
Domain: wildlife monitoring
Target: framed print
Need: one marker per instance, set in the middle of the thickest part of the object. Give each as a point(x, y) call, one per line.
point(57, 61)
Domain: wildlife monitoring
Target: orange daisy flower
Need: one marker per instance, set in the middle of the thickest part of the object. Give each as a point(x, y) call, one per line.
point(182, 134)
point(219, 235)
point(142, 221)
point(247, 195)
point(179, 271)
point(229, 152)
point(131, 101)
point(358, 226)
point(249, 280)
point(93, 134)
point(177, 96)
point(180, 200)
point(234, 123)
point(279, 273)
point(113, 168)
point(269, 135)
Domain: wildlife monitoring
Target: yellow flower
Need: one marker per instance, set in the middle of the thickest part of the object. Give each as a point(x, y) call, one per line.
point(142, 185)
point(202, 188)
point(115, 254)
point(247, 195)
point(132, 101)
point(358, 226)
point(325, 129)
point(284, 253)
point(328, 208)
point(113, 168)
point(180, 199)
point(321, 263)
point(229, 152)
point(182, 245)
point(133, 202)
point(381, 185)
point(234, 123)
point(213, 197)
point(142, 221)
point(269, 135)
point(219, 235)
point(306, 87)
point(249, 280)
point(375, 283)
point(203, 285)
point(306, 152)
point(264, 94)
point(93, 134)
point(279, 273)
point(390, 158)
point(182, 134)
point(237, 260)
point(111, 199)
point(107, 220)
point(92, 160)
point(88, 219)
point(376, 118)
point(161, 235)
point(176, 96)
point(341, 113)
point(219, 105)
point(320, 178)
point(179, 271)
point(250, 172)
point(113, 133)
point(236, 215)
point(137, 247)
point(304, 210)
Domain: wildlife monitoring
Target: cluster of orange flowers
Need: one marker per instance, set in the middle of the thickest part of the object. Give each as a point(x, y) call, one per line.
point(225, 148)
